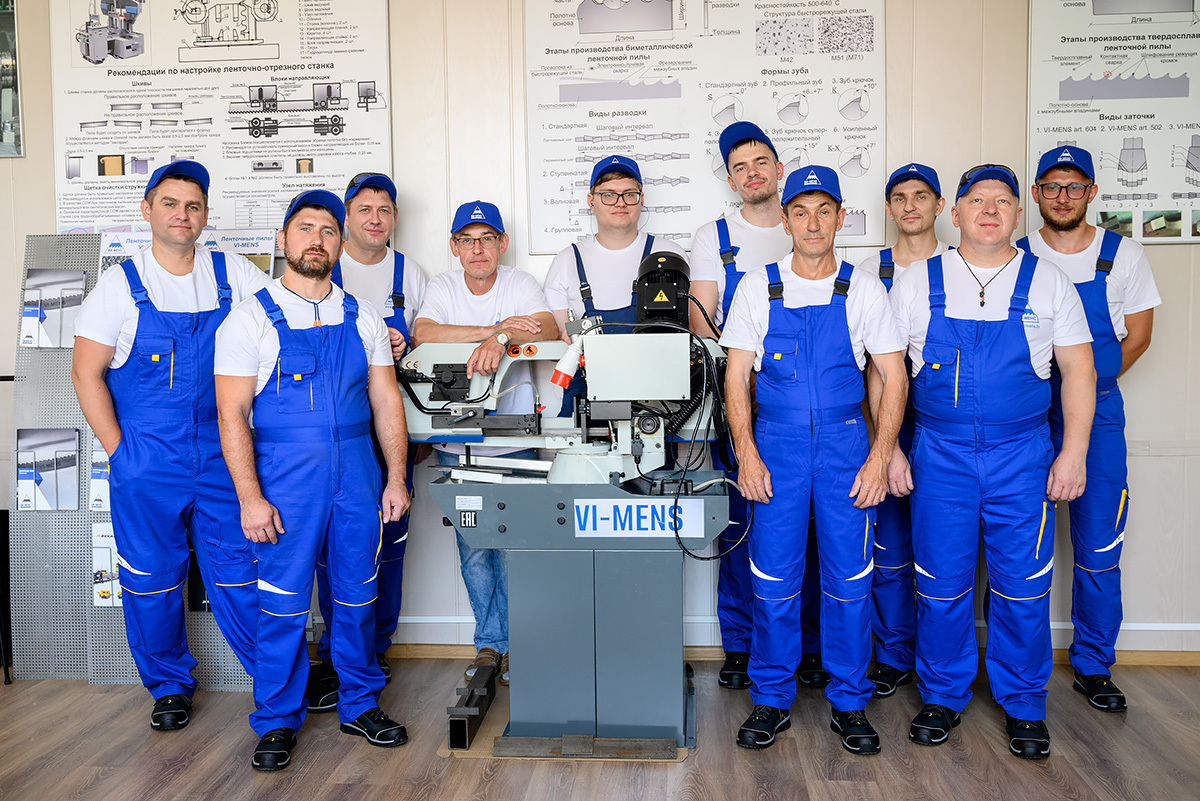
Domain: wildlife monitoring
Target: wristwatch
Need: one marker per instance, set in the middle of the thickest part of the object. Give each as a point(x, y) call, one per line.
point(502, 338)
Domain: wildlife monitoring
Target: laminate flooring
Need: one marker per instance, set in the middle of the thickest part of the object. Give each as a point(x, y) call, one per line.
point(71, 740)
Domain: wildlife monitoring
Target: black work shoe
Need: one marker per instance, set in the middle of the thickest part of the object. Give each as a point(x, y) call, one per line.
point(764, 723)
point(1027, 739)
point(857, 733)
point(381, 660)
point(932, 724)
point(810, 674)
point(274, 750)
point(378, 728)
point(171, 713)
point(1101, 692)
point(734, 673)
point(321, 692)
point(887, 679)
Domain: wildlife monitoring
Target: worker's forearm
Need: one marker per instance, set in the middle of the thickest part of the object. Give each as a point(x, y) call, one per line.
point(97, 405)
point(237, 446)
point(1079, 406)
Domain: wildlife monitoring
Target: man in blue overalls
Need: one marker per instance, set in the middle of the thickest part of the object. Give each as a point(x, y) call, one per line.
point(315, 369)
point(395, 285)
point(142, 368)
point(807, 327)
point(982, 323)
point(1113, 277)
point(723, 251)
point(913, 200)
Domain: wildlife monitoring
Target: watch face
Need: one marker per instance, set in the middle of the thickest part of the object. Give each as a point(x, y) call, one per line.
point(502, 338)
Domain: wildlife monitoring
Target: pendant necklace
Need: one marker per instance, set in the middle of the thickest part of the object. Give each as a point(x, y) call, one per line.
point(982, 286)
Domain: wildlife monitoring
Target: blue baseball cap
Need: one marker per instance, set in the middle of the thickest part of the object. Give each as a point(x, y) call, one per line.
point(813, 178)
point(365, 180)
point(185, 169)
point(739, 132)
point(321, 199)
point(987, 172)
point(477, 211)
point(616, 164)
point(914, 171)
point(1066, 156)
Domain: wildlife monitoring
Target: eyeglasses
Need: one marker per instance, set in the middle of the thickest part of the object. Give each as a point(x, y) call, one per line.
point(488, 241)
point(970, 174)
point(1075, 190)
point(610, 198)
point(362, 176)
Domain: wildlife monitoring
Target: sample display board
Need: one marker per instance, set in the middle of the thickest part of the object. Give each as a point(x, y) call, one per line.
point(273, 96)
point(657, 80)
point(1114, 77)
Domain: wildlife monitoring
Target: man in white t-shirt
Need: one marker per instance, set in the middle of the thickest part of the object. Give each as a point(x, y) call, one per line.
point(982, 323)
point(314, 367)
point(913, 200)
point(142, 368)
point(498, 306)
point(394, 285)
point(806, 327)
point(1112, 275)
point(595, 277)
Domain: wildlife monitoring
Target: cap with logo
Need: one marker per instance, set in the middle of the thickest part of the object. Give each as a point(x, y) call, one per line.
point(1066, 156)
point(320, 199)
point(622, 164)
point(184, 169)
point(917, 172)
point(477, 211)
point(987, 172)
point(813, 178)
point(742, 131)
point(366, 180)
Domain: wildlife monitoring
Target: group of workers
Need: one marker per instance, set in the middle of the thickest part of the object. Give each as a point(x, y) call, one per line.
point(261, 420)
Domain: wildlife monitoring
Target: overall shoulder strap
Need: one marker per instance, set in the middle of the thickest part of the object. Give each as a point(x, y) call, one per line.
point(221, 272)
point(1020, 295)
point(887, 268)
point(774, 284)
point(585, 289)
point(646, 251)
point(1109, 243)
point(937, 286)
point(136, 288)
point(398, 281)
point(274, 313)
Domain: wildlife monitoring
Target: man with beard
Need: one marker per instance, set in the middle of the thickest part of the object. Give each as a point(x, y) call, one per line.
point(142, 368)
point(1112, 275)
point(315, 368)
point(913, 200)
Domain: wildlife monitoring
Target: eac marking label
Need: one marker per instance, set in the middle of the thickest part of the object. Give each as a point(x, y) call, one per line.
point(651, 517)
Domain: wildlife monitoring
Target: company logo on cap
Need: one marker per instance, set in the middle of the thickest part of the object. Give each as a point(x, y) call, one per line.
point(913, 168)
point(477, 214)
point(1066, 156)
point(812, 179)
point(615, 160)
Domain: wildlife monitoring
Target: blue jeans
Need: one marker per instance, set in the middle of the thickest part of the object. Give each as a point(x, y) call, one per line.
point(486, 577)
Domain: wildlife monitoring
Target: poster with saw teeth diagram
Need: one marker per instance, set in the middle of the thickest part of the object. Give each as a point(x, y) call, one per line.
point(1119, 78)
point(657, 80)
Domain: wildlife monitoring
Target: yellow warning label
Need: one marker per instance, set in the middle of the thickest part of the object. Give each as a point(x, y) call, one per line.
point(661, 297)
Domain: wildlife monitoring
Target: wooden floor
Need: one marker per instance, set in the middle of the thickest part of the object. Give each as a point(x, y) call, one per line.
point(63, 740)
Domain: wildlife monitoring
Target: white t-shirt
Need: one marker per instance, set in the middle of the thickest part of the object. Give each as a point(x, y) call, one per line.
point(248, 344)
point(448, 301)
point(1130, 286)
point(871, 263)
point(756, 247)
point(109, 315)
point(868, 315)
point(610, 273)
point(372, 283)
point(1053, 316)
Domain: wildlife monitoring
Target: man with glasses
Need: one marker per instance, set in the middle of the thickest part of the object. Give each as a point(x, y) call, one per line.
point(982, 324)
point(498, 306)
point(595, 277)
point(373, 273)
point(1113, 277)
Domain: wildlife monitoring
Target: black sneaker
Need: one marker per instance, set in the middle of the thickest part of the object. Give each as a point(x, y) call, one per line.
point(171, 713)
point(1027, 739)
point(274, 750)
point(378, 728)
point(1101, 692)
point(857, 733)
point(810, 674)
point(887, 679)
point(932, 724)
point(734, 673)
point(764, 723)
point(381, 660)
point(321, 692)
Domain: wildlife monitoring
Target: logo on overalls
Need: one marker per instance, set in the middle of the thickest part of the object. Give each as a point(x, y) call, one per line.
point(1066, 156)
point(812, 179)
point(477, 214)
point(1030, 318)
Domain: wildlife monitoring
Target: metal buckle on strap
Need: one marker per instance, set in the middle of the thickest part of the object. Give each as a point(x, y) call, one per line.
point(775, 291)
point(841, 286)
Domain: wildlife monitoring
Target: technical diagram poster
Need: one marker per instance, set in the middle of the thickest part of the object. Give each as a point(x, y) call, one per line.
point(53, 299)
point(273, 96)
point(1119, 78)
point(47, 469)
point(657, 80)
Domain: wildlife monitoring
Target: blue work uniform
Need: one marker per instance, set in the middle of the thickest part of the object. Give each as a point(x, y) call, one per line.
point(315, 463)
point(812, 438)
point(395, 532)
point(982, 451)
point(1098, 515)
point(168, 480)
